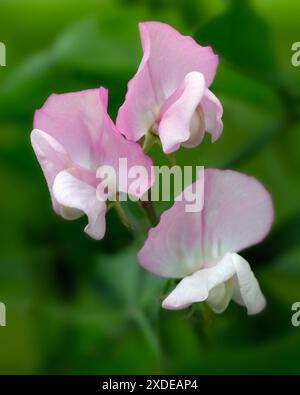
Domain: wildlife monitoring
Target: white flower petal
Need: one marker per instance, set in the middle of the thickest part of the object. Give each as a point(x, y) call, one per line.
point(76, 196)
point(196, 287)
point(248, 292)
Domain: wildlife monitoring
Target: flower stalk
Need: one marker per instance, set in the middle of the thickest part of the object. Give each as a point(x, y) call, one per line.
point(148, 207)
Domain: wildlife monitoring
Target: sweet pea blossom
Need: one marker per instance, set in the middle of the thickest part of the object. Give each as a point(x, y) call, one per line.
point(73, 135)
point(169, 94)
point(202, 247)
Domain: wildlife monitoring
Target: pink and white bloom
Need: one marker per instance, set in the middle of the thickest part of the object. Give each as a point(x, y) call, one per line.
point(169, 94)
point(73, 135)
point(202, 247)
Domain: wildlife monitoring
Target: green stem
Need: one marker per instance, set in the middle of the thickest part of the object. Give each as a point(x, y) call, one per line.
point(148, 207)
point(172, 159)
point(147, 330)
point(201, 320)
point(150, 139)
point(121, 214)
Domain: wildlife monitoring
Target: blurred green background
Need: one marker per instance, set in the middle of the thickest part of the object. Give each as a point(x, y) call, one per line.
point(79, 306)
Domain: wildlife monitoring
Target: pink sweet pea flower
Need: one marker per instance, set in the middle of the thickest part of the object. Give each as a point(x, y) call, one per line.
point(73, 135)
point(201, 247)
point(169, 94)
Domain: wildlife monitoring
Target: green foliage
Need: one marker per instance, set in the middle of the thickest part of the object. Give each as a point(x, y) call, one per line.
point(242, 37)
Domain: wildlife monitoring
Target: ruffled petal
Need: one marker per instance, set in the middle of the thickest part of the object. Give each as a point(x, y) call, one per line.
point(214, 284)
point(75, 120)
point(175, 126)
point(197, 287)
point(81, 126)
point(171, 56)
point(52, 157)
point(77, 198)
point(168, 58)
point(237, 213)
point(133, 168)
point(213, 111)
point(247, 292)
point(174, 247)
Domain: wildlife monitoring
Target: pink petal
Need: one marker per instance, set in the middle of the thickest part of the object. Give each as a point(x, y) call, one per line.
point(176, 117)
point(80, 124)
point(237, 213)
point(116, 147)
point(75, 120)
point(213, 112)
point(77, 198)
point(173, 247)
point(168, 58)
point(52, 158)
point(196, 287)
point(78, 137)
